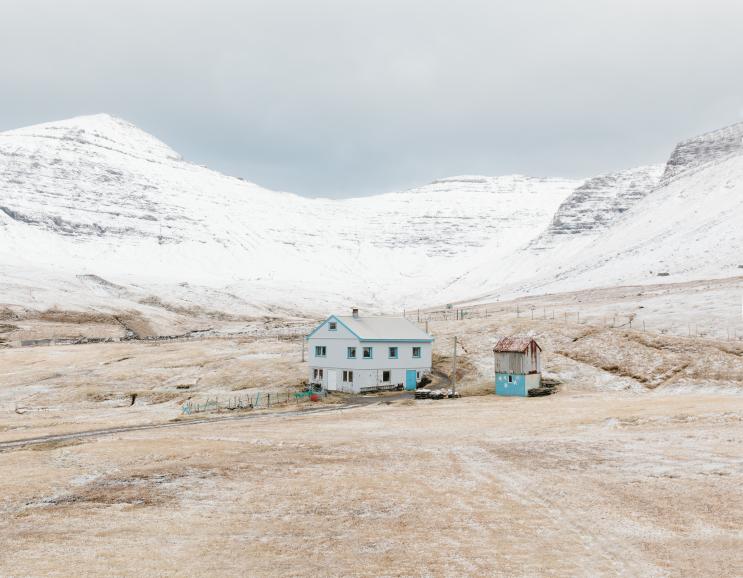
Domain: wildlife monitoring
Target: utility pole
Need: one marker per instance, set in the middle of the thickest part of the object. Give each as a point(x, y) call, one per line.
point(303, 340)
point(454, 368)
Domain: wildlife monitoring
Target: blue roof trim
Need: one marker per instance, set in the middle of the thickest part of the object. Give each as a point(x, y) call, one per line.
point(333, 317)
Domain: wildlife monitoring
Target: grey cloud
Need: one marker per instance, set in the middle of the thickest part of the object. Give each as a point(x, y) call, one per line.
point(346, 97)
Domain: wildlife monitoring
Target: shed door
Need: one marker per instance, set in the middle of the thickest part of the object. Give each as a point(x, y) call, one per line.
point(332, 380)
point(411, 379)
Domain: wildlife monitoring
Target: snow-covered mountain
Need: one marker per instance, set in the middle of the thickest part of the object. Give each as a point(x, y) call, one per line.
point(598, 203)
point(97, 196)
point(97, 213)
point(686, 227)
point(704, 150)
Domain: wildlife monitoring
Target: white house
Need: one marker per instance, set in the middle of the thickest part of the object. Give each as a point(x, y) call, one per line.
point(355, 354)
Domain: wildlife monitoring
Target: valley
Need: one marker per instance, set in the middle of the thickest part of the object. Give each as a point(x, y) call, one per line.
point(97, 215)
point(152, 323)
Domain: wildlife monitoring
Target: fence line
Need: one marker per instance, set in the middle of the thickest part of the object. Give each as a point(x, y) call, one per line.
point(258, 400)
point(567, 317)
point(280, 333)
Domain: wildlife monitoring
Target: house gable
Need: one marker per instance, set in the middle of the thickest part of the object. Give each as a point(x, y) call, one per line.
point(324, 331)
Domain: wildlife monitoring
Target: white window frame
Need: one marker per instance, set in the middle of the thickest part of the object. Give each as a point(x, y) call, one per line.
point(321, 350)
point(389, 352)
point(332, 326)
point(419, 348)
point(371, 353)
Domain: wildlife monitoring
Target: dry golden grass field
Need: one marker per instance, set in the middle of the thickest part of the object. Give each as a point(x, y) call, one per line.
point(634, 467)
point(571, 485)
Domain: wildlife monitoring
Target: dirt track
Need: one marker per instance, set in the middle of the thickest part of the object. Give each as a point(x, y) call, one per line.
point(79, 435)
point(571, 485)
point(634, 468)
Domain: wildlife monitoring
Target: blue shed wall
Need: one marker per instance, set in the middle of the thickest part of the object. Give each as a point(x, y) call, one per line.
point(516, 387)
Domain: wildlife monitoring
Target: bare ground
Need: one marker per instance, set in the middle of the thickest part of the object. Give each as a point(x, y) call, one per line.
point(633, 468)
point(573, 485)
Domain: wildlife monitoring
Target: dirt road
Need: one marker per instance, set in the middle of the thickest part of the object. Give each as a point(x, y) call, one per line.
point(592, 485)
point(79, 435)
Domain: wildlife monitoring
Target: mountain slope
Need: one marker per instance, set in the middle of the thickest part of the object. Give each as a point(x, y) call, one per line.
point(704, 150)
point(598, 203)
point(95, 213)
point(97, 196)
point(685, 228)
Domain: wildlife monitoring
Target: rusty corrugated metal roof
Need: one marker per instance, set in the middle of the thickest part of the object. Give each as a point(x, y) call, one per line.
point(514, 343)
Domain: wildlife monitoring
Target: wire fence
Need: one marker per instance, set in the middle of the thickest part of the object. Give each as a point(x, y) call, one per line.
point(251, 401)
point(279, 333)
point(732, 331)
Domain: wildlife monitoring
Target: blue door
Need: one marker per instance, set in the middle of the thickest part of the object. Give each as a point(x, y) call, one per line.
point(411, 379)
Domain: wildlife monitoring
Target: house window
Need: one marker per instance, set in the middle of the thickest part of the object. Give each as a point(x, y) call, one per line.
point(314, 374)
point(317, 374)
point(393, 353)
point(368, 352)
point(348, 376)
point(385, 376)
point(320, 371)
point(320, 350)
point(416, 352)
point(510, 379)
point(332, 326)
point(351, 353)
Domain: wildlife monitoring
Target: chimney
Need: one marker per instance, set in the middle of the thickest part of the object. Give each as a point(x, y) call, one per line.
point(355, 312)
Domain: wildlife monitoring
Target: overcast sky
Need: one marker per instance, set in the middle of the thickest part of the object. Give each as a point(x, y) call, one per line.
point(343, 97)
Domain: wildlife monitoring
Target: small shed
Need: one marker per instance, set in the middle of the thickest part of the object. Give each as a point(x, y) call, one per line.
point(518, 365)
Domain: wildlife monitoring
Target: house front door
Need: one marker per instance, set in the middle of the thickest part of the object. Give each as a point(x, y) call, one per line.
point(411, 380)
point(332, 380)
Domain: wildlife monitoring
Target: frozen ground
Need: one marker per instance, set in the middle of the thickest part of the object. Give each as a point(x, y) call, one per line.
point(590, 484)
point(633, 468)
point(97, 215)
point(682, 336)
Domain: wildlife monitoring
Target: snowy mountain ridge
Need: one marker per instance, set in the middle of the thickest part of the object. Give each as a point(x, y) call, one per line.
point(95, 198)
point(704, 150)
point(597, 204)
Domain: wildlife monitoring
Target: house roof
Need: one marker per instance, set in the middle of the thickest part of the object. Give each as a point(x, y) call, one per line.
point(514, 344)
point(382, 328)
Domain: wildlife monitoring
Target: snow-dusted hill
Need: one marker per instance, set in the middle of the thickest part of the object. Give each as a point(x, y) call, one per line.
point(598, 203)
point(95, 213)
point(704, 150)
point(686, 227)
point(97, 196)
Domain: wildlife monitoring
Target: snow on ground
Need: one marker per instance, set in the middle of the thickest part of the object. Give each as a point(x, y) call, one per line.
point(687, 229)
point(97, 196)
point(571, 485)
point(96, 215)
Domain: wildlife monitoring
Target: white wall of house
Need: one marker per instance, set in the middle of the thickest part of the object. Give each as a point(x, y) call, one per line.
point(366, 372)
